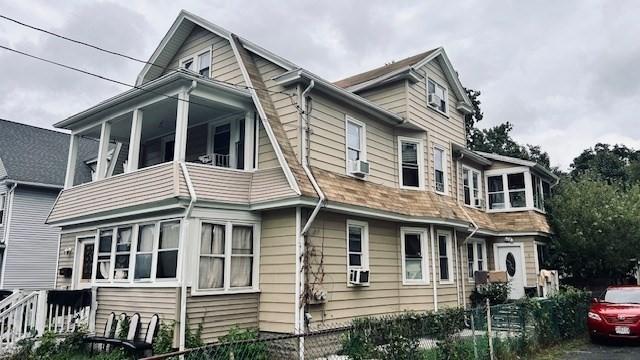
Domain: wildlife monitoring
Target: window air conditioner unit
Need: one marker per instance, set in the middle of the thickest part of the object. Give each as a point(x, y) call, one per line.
point(434, 100)
point(359, 276)
point(480, 203)
point(359, 168)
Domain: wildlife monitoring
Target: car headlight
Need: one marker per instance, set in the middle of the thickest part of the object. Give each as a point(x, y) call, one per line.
point(594, 316)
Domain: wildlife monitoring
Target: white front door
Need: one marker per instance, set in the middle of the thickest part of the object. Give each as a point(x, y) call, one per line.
point(509, 259)
point(84, 262)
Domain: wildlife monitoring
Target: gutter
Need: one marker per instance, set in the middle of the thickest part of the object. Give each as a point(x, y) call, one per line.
point(300, 309)
point(7, 226)
point(184, 235)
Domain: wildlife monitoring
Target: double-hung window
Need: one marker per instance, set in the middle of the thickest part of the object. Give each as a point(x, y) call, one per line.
point(122, 253)
point(200, 63)
point(3, 201)
point(144, 251)
point(471, 187)
point(445, 256)
point(415, 269)
point(437, 96)
point(476, 257)
point(539, 191)
point(357, 245)
point(440, 166)
point(227, 259)
point(168, 250)
point(356, 143)
point(103, 264)
point(507, 191)
point(411, 162)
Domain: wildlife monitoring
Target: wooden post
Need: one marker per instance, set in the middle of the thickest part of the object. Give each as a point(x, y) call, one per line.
point(134, 141)
point(103, 149)
point(71, 161)
point(93, 310)
point(41, 312)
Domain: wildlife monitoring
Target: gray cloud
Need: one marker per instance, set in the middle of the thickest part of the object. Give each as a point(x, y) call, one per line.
point(564, 73)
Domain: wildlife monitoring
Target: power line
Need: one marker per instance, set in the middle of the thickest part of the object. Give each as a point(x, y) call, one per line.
point(115, 53)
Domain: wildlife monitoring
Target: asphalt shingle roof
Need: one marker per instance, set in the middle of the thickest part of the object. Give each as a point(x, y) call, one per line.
point(37, 155)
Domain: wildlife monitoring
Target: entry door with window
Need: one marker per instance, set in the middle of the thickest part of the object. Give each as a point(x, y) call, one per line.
point(509, 258)
point(86, 249)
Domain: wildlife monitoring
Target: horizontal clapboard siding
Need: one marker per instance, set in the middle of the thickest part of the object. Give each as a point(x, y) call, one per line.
point(145, 301)
point(143, 186)
point(219, 313)
point(32, 246)
point(269, 184)
point(277, 270)
point(65, 259)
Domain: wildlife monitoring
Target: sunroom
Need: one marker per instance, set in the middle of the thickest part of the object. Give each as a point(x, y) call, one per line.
point(178, 117)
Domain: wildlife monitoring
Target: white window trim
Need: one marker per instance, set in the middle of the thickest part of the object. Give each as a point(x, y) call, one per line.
point(471, 189)
point(446, 97)
point(365, 248)
point(3, 207)
point(505, 189)
point(425, 255)
point(535, 254)
point(541, 189)
point(363, 143)
point(227, 289)
point(449, 236)
point(485, 266)
point(420, 150)
point(152, 281)
point(194, 57)
point(445, 163)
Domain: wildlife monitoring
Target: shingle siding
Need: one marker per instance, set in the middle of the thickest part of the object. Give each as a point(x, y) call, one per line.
point(30, 259)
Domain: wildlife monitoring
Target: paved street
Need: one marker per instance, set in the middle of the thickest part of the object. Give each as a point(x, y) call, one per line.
point(613, 351)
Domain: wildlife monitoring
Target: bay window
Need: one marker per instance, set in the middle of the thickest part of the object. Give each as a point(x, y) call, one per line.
point(508, 191)
point(415, 269)
point(411, 163)
point(471, 187)
point(137, 252)
point(541, 191)
point(227, 258)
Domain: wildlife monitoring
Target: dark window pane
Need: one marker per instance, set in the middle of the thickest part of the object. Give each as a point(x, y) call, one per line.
point(410, 176)
point(495, 183)
point(167, 264)
point(169, 147)
point(496, 201)
point(444, 268)
point(355, 245)
point(143, 266)
point(517, 199)
point(467, 196)
point(87, 261)
point(409, 153)
point(439, 180)
point(222, 139)
point(412, 245)
point(105, 241)
point(515, 181)
point(442, 245)
point(355, 260)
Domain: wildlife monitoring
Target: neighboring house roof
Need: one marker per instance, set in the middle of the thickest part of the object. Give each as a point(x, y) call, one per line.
point(30, 154)
point(382, 70)
point(518, 161)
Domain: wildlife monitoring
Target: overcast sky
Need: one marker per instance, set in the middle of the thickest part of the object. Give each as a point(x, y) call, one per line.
point(565, 73)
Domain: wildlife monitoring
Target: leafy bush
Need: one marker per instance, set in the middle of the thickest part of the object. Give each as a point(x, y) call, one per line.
point(163, 343)
point(244, 350)
point(497, 293)
point(193, 339)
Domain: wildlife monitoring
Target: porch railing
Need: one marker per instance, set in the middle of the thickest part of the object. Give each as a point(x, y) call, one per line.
point(31, 314)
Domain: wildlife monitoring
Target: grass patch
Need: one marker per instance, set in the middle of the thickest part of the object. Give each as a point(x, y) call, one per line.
point(557, 351)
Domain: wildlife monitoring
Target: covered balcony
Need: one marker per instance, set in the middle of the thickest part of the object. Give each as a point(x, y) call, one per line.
point(177, 118)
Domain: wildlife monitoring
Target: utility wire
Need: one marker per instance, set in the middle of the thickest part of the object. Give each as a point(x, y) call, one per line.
point(111, 52)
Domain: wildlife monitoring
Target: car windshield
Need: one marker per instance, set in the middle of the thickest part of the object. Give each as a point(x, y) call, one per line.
point(622, 296)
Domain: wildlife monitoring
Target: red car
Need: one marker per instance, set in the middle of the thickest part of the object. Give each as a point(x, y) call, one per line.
point(616, 314)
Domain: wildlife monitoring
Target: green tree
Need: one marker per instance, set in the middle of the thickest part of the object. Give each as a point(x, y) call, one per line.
point(471, 119)
point(597, 227)
point(616, 163)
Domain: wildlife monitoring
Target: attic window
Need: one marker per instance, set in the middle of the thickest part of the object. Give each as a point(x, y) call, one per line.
point(437, 96)
point(204, 64)
point(187, 64)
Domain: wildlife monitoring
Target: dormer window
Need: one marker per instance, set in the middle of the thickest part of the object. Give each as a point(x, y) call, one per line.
point(437, 96)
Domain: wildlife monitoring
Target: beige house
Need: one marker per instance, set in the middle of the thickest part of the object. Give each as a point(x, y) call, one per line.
point(233, 187)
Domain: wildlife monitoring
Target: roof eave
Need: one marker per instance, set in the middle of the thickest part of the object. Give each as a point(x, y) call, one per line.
point(473, 156)
point(303, 76)
point(517, 161)
point(181, 75)
point(406, 73)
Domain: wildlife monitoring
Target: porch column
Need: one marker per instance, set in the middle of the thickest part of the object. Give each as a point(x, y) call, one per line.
point(103, 149)
point(71, 161)
point(134, 141)
point(249, 137)
point(182, 120)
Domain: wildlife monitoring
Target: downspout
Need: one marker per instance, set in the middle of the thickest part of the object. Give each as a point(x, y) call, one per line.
point(183, 243)
point(300, 310)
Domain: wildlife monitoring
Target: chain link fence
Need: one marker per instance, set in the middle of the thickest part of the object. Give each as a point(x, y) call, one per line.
point(493, 332)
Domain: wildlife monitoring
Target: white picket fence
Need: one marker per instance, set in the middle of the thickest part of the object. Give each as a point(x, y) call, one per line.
point(24, 315)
